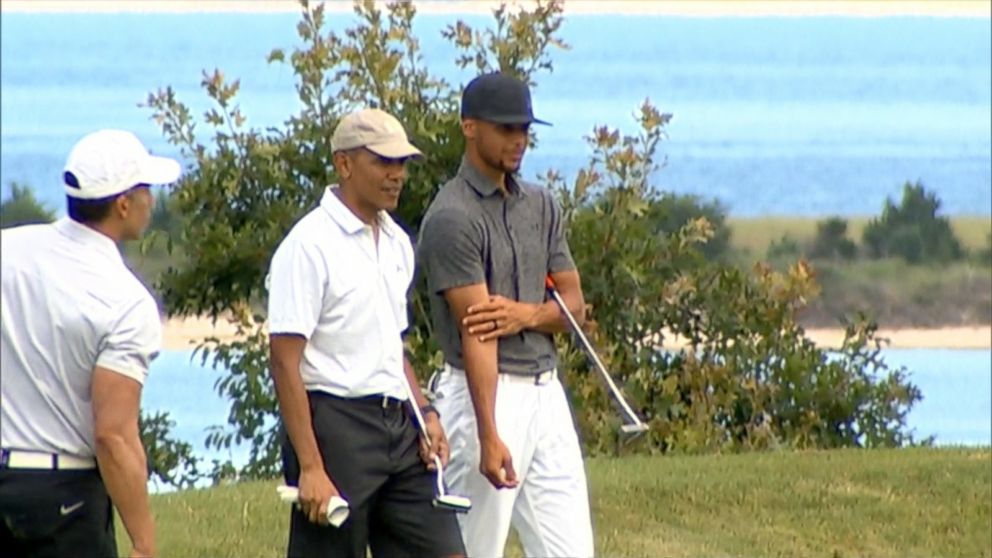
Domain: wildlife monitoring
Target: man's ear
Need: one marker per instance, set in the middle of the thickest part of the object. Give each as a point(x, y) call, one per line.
point(468, 128)
point(122, 205)
point(342, 163)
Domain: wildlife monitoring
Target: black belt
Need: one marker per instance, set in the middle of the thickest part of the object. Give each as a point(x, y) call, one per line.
point(377, 399)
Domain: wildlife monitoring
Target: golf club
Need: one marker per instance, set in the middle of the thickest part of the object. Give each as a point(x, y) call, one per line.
point(632, 423)
point(442, 499)
point(337, 508)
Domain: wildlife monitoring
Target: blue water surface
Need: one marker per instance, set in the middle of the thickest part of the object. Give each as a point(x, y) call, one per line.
point(803, 116)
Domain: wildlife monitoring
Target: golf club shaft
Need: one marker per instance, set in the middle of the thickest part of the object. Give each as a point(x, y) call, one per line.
point(419, 416)
point(614, 390)
point(416, 411)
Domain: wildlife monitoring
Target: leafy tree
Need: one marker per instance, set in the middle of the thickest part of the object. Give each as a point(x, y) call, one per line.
point(170, 461)
point(912, 230)
point(784, 249)
point(747, 378)
point(23, 208)
point(670, 212)
point(985, 254)
point(831, 241)
point(712, 354)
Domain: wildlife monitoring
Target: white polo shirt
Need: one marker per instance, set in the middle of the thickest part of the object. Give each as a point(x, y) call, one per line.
point(330, 283)
point(69, 303)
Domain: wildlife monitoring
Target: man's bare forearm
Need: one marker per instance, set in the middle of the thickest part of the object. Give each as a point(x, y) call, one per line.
point(548, 317)
point(295, 407)
point(481, 372)
point(124, 470)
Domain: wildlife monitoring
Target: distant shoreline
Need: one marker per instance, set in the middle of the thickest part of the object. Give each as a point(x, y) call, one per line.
point(674, 8)
point(183, 333)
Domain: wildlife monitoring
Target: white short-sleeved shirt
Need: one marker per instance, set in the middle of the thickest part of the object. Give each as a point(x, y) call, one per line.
point(330, 283)
point(69, 304)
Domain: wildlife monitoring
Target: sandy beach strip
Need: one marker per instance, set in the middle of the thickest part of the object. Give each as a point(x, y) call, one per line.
point(699, 8)
point(185, 333)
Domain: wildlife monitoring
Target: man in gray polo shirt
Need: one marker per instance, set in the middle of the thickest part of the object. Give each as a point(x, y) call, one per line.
point(487, 243)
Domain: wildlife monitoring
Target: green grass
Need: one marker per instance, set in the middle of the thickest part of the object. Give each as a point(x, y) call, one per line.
point(907, 502)
point(755, 234)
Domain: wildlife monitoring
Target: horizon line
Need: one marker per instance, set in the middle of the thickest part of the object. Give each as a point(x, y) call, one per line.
point(974, 9)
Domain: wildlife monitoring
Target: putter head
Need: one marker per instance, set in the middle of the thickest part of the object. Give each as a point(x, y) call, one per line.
point(630, 431)
point(444, 500)
point(458, 504)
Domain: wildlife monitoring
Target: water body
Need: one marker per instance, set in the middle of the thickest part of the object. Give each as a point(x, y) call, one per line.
point(956, 385)
point(800, 116)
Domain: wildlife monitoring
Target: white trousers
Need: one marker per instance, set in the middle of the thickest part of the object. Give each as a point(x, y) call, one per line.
point(549, 508)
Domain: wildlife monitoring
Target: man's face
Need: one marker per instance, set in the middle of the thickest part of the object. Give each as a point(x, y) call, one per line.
point(500, 146)
point(135, 208)
point(377, 181)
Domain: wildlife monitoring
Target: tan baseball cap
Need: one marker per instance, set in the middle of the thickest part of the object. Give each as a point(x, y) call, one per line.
point(108, 162)
point(375, 130)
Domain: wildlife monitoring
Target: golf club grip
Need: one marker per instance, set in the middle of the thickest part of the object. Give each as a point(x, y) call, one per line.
point(617, 395)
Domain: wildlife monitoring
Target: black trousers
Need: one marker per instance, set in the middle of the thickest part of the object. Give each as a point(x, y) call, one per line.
point(55, 513)
point(370, 453)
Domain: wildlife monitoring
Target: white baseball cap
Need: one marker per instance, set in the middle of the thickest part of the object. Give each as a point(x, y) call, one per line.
point(109, 162)
point(375, 130)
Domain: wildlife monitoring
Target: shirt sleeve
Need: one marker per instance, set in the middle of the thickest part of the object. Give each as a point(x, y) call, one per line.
point(559, 254)
point(296, 283)
point(450, 251)
point(134, 341)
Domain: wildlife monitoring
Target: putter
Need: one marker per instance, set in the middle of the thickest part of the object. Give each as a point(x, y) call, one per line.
point(337, 508)
point(632, 425)
point(442, 499)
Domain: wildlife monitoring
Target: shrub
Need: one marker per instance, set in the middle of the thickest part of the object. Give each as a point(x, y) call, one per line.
point(23, 208)
point(831, 241)
point(912, 230)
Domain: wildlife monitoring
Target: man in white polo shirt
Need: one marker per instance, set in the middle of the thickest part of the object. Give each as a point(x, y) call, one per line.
point(337, 312)
point(78, 333)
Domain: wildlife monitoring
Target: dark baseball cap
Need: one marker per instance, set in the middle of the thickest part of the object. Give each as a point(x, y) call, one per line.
point(499, 98)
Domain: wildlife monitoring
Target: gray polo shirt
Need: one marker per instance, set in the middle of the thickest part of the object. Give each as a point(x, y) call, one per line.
point(472, 234)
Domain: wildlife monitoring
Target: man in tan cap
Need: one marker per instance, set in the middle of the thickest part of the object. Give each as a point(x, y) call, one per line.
point(337, 313)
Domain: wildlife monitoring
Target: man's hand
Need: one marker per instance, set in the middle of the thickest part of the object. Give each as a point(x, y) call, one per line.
point(496, 464)
point(499, 317)
point(316, 490)
point(439, 443)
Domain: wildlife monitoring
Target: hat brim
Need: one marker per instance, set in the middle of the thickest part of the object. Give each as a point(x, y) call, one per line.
point(395, 150)
point(151, 170)
point(512, 120)
point(159, 170)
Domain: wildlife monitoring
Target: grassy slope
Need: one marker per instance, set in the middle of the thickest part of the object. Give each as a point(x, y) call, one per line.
point(909, 502)
point(755, 234)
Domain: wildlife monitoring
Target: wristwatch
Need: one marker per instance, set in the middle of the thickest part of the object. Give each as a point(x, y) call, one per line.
point(429, 408)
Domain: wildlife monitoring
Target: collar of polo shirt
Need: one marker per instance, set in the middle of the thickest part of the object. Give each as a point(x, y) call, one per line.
point(348, 221)
point(86, 235)
point(484, 185)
